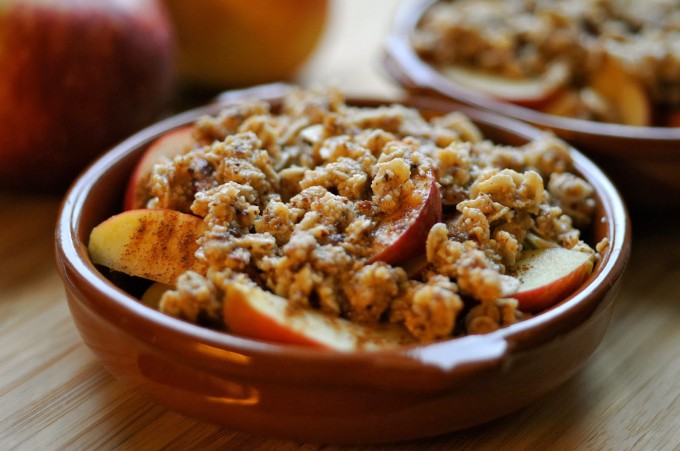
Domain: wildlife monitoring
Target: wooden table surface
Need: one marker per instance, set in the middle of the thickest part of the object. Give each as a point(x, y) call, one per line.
point(55, 395)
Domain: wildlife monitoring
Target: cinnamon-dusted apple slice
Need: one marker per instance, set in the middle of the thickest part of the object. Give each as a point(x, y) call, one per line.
point(168, 145)
point(154, 244)
point(549, 275)
point(530, 92)
point(254, 313)
point(401, 236)
point(623, 92)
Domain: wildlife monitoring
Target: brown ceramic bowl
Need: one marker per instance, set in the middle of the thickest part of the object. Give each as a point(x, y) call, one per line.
point(325, 396)
point(643, 161)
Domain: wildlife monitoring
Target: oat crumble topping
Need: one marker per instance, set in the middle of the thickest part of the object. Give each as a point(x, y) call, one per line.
point(292, 200)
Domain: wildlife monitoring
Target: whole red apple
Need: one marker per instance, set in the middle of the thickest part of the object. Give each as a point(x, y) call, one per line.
point(75, 77)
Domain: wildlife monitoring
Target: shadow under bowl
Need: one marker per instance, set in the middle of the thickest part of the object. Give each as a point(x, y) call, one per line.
point(325, 396)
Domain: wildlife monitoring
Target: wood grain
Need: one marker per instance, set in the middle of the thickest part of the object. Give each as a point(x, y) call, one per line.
point(55, 395)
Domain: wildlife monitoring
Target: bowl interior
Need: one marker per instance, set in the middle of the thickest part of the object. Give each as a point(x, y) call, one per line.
point(98, 194)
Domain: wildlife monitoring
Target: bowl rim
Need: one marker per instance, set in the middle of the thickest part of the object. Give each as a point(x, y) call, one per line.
point(404, 65)
point(431, 366)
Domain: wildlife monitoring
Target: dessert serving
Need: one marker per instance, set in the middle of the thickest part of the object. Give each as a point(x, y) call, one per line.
point(327, 224)
point(269, 269)
point(601, 60)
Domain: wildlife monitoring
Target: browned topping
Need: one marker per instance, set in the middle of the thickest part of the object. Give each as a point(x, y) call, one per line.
point(295, 203)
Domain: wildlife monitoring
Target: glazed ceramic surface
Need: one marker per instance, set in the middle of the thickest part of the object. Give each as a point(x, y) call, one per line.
point(325, 396)
point(644, 162)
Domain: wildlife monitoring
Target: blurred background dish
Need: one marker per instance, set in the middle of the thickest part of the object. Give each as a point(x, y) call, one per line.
point(642, 160)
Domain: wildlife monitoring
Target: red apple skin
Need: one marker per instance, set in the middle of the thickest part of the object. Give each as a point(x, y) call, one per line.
point(541, 298)
point(545, 296)
point(168, 145)
point(411, 225)
point(77, 76)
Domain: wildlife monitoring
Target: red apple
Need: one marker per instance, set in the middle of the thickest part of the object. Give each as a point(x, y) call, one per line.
point(255, 313)
point(158, 245)
point(401, 236)
point(625, 94)
point(76, 77)
point(549, 275)
point(170, 144)
point(529, 92)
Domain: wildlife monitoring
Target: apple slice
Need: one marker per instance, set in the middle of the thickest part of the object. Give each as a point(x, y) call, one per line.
point(549, 275)
point(255, 313)
point(168, 145)
point(152, 295)
point(566, 103)
point(529, 92)
point(623, 92)
point(402, 235)
point(154, 244)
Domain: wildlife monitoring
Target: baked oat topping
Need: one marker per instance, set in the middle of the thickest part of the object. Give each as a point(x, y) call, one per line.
point(293, 200)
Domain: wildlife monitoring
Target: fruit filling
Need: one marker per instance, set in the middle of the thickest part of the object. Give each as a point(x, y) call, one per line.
point(603, 60)
point(323, 223)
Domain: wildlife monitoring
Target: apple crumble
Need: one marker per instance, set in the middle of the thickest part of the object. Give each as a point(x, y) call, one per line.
point(522, 39)
point(372, 214)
